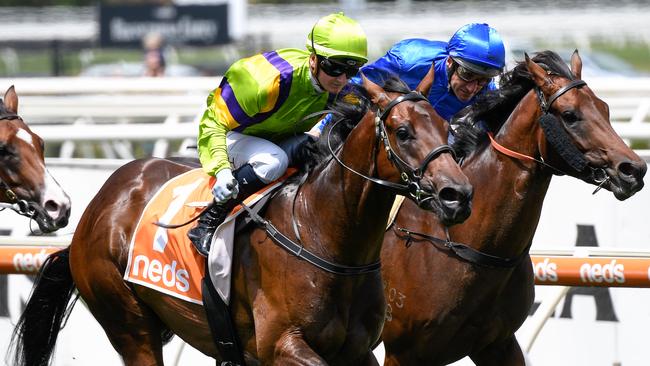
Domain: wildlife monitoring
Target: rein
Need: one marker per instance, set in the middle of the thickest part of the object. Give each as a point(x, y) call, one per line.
point(560, 141)
point(411, 176)
point(558, 138)
point(412, 188)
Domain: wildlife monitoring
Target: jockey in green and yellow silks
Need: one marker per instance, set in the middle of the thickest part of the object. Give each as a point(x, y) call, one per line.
point(255, 118)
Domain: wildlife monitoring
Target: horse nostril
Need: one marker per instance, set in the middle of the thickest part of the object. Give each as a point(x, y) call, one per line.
point(451, 195)
point(51, 206)
point(631, 170)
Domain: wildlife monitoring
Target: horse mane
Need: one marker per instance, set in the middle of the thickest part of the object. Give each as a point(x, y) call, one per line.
point(350, 106)
point(492, 108)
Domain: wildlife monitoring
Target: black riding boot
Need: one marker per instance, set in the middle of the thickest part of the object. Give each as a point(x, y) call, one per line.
point(201, 234)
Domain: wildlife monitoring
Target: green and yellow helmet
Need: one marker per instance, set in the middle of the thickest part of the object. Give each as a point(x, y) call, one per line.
point(338, 36)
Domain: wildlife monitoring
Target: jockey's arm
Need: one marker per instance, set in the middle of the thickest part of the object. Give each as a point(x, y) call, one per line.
point(228, 107)
point(212, 149)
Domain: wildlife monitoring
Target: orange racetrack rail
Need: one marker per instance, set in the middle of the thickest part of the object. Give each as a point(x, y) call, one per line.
point(564, 270)
point(23, 260)
point(25, 255)
point(591, 271)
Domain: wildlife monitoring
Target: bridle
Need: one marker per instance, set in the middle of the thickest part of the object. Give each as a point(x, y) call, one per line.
point(410, 176)
point(22, 207)
point(546, 104)
point(559, 139)
point(412, 188)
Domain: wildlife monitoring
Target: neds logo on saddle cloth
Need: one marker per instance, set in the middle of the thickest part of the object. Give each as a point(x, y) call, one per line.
point(163, 259)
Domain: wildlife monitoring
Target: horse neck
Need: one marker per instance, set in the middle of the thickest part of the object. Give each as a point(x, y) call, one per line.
point(350, 212)
point(508, 192)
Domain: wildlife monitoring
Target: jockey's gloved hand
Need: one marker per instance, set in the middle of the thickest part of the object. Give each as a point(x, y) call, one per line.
point(226, 186)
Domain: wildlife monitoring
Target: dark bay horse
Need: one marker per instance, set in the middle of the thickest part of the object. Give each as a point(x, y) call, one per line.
point(443, 306)
point(26, 186)
point(287, 311)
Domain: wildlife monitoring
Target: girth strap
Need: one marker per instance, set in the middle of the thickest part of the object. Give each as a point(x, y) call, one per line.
point(221, 323)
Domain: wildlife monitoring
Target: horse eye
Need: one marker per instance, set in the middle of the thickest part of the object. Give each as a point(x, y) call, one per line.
point(569, 117)
point(403, 134)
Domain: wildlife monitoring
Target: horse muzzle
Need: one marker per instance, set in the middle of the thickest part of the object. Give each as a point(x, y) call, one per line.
point(452, 203)
point(52, 215)
point(626, 179)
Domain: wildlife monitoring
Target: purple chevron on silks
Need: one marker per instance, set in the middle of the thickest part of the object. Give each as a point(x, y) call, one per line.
point(286, 77)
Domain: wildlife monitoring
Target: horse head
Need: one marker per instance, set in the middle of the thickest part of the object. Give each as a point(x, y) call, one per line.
point(25, 183)
point(578, 136)
point(416, 152)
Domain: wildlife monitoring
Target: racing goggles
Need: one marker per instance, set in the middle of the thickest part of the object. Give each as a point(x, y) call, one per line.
point(337, 68)
point(468, 76)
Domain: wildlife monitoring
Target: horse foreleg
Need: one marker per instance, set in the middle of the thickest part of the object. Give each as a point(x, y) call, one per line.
point(291, 349)
point(505, 353)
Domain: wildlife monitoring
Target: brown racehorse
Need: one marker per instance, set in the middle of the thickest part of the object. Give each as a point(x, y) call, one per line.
point(26, 185)
point(443, 306)
point(287, 311)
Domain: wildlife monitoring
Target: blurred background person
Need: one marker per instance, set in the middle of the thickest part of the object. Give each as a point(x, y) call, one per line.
point(154, 58)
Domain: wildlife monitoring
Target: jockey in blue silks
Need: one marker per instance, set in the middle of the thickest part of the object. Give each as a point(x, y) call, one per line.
point(463, 67)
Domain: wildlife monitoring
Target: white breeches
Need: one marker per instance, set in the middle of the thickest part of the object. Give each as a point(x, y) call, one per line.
point(268, 160)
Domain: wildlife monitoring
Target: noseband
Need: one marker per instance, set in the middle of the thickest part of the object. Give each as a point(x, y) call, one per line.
point(411, 176)
point(558, 137)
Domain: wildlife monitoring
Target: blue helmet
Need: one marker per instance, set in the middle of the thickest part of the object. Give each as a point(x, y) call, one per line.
point(479, 48)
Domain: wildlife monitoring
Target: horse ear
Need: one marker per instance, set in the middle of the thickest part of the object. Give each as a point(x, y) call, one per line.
point(11, 100)
point(377, 94)
point(576, 64)
point(537, 72)
point(425, 84)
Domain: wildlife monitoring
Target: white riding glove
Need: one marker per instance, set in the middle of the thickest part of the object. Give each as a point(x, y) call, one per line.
point(226, 186)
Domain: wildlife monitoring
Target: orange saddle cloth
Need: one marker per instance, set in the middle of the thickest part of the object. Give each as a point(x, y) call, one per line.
point(164, 259)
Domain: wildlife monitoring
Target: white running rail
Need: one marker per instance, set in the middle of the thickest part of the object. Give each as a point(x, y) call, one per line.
point(117, 114)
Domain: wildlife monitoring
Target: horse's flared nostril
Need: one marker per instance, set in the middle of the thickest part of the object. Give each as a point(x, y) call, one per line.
point(51, 207)
point(631, 171)
point(456, 202)
point(455, 196)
